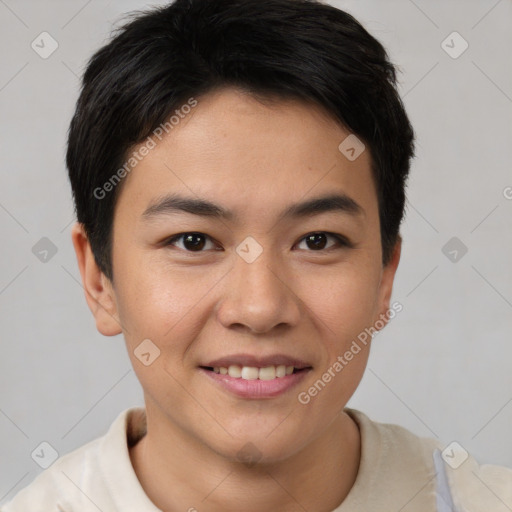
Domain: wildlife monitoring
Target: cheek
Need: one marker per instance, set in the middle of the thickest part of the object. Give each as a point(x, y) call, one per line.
point(163, 304)
point(342, 302)
point(342, 310)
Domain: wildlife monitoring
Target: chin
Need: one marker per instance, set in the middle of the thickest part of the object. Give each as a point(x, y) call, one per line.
point(259, 449)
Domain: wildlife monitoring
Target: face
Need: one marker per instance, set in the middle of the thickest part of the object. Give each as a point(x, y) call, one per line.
point(249, 270)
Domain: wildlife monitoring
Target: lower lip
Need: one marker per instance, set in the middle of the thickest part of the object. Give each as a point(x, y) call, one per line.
point(257, 389)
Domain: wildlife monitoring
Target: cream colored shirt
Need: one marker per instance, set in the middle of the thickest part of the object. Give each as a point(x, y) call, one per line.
point(399, 471)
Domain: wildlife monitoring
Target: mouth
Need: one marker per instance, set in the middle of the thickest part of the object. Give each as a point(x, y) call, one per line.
point(256, 378)
point(270, 372)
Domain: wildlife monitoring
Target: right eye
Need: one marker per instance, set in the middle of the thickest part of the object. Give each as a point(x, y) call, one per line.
point(192, 241)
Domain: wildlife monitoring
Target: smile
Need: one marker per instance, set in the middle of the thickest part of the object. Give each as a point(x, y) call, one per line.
point(256, 379)
point(254, 373)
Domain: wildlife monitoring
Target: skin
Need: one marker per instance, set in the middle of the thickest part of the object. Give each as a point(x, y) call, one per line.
point(255, 159)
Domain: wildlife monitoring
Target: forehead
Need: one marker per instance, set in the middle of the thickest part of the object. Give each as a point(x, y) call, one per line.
point(250, 157)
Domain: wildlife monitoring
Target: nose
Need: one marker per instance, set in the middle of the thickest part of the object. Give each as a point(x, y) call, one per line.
point(258, 296)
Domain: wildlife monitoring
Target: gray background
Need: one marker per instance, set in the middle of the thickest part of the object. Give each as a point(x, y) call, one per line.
point(441, 368)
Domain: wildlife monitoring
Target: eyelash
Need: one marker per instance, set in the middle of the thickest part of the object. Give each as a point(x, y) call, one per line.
point(341, 240)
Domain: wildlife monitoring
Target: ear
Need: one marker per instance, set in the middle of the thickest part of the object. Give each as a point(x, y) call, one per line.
point(386, 282)
point(98, 289)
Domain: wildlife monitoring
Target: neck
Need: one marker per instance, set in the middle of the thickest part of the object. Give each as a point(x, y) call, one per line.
point(178, 474)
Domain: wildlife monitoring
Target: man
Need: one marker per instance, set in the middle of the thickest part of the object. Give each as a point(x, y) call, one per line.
point(238, 169)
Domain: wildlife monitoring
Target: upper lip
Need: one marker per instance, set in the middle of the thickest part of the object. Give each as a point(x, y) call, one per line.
point(257, 361)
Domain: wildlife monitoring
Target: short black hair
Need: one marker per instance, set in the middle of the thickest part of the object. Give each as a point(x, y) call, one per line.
point(284, 49)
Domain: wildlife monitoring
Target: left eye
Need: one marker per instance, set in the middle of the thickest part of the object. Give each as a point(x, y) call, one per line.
point(196, 242)
point(317, 241)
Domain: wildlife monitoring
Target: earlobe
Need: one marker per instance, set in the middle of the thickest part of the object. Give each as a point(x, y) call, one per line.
point(387, 280)
point(99, 292)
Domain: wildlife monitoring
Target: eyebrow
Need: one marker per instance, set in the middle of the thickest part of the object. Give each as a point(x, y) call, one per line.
point(174, 203)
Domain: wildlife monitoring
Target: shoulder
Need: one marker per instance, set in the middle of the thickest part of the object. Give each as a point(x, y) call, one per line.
point(453, 478)
point(396, 470)
point(57, 488)
point(63, 487)
point(479, 487)
point(393, 443)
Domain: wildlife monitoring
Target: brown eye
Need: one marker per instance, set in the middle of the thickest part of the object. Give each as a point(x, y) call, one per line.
point(318, 241)
point(191, 242)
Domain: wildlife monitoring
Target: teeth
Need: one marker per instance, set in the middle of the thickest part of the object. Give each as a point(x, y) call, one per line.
point(235, 371)
point(267, 373)
point(280, 370)
point(253, 373)
point(250, 373)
